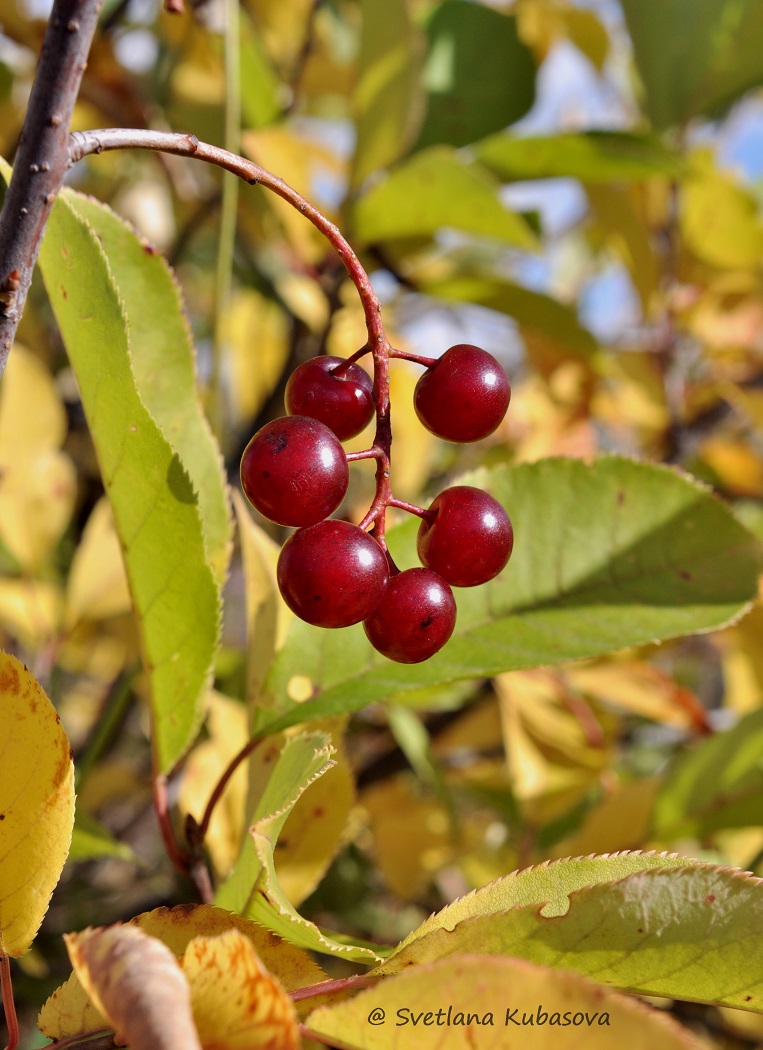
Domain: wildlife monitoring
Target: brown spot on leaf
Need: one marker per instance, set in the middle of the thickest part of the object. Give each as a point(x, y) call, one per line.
point(710, 898)
point(9, 681)
point(685, 574)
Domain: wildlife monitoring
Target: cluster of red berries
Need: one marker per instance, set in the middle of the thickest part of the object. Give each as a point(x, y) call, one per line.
point(331, 573)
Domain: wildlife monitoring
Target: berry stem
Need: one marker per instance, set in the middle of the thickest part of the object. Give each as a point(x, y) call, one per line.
point(402, 355)
point(84, 143)
point(341, 369)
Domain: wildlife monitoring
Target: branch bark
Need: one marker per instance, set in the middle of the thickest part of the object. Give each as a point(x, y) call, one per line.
point(42, 158)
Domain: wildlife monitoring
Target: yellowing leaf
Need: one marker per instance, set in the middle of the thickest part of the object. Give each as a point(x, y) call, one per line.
point(267, 616)
point(494, 1004)
point(297, 160)
point(639, 688)
point(313, 830)
point(256, 333)
point(743, 661)
point(236, 1003)
point(620, 822)
point(27, 382)
point(556, 748)
point(97, 587)
point(37, 481)
point(69, 1011)
point(227, 727)
point(30, 610)
point(735, 463)
point(136, 982)
point(548, 886)
point(36, 804)
point(719, 220)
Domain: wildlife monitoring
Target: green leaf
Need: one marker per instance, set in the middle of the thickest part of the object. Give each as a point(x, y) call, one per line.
point(718, 785)
point(591, 156)
point(434, 190)
point(549, 886)
point(689, 933)
point(260, 86)
point(163, 361)
point(533, 311)
point(386, 100)
point(695, 57)
point(607, 555)
point(91, 840)
point(155, 507)
point(253, 888)
point(478, 75)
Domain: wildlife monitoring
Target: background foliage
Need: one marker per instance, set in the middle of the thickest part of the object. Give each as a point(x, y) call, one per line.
point(610, 255)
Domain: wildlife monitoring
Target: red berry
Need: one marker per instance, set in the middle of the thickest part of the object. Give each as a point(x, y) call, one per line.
point(470, 538)
point(414, 619)
point(294, 471)
point(464, 395)
point(344, 402)
point(332, 574)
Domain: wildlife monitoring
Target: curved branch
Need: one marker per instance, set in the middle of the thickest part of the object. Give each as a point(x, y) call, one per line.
point(42, 157)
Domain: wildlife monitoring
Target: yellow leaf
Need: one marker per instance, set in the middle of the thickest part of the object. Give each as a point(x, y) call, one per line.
point(620, 822)
point(237, 1004)
point(30, 610)
point(69, 1011)
point(97, 587)
point(283, 26)
point(641, 689)
point(37, 481)
point(719, 219)
point(298, 160)
point(27, 383)
point(256, 333)
point(36, 804)
point(135, 981)
point(735, 463)
point(314, 829)
point(412, 835)
point(743, 661)
point(227, 726)
point(556, 747)
point(267, 615)
point(492, 1003)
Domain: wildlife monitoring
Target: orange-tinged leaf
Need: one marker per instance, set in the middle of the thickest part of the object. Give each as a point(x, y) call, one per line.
point(237, 1005)
point(135, 981)
point(490, 1003)
point(69, 1011)
point(36, 804)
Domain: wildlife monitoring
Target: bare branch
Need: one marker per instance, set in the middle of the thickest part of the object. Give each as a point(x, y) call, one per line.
point(42, 156)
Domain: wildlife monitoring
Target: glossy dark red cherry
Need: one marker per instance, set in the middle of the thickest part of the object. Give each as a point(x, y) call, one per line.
point(470, 538)
point(294, 471)
point(332, 574)
point(414, 619)
point(464, 395)
point(344, 402)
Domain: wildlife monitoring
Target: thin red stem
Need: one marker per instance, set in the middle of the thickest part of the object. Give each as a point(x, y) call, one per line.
point(411, 508)
point(222, 783)
point(180, 859)
point(333, 987)
point(368, 453)
point(11, 1020)
point(341, 369)
point(401, 355)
